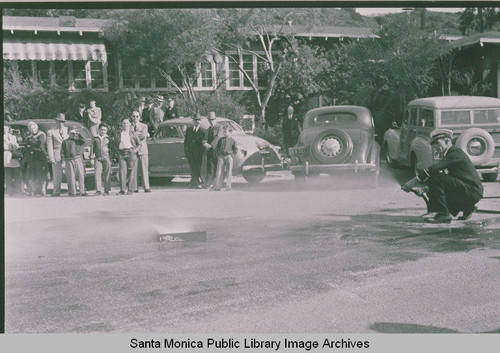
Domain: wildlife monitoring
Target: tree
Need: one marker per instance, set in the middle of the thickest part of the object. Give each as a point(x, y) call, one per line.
point(386, 73)
point(478, 19)
point(255, 32)
point(175, 41)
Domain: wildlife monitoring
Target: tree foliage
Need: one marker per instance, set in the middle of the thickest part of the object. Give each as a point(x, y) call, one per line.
point(172, 40)
point(478, 19)
point(386, 73)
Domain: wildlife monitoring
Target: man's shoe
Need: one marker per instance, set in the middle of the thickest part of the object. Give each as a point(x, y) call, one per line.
point(129, 192)
point(136, 190)
point(439, 218)
point(72, 195)
point(98, 193)
point(121, 193)
point(106, 193)
point(467, 213)
point(429, 215)
point(147, 190)
point(228, 189)
point(56, 195)
point(84, 194)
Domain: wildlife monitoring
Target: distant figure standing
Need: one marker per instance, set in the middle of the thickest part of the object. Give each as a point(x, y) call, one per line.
point(193, 149)
point(226, 149)
point(95, 116)
point(212, 136)
point(171, 110)
point(36, 157)
point(11, 164)
point(157, 114)
point(141, 130)
point(72, 152)
point(102, 161)
point(291, 129)
point(55, 138)
point(126, 143)
point(146, 115)
point(81, 115)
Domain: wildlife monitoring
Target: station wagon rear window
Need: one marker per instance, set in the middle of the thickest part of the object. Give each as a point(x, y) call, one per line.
point(455, 118)
point(335, 118)
point(486, 116)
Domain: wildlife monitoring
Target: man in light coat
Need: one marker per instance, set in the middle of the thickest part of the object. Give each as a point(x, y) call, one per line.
point(95, 116)
point(142, 133)
point(55, 138)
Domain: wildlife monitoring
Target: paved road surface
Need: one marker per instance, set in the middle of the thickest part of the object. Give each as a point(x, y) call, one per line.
point(327, 255)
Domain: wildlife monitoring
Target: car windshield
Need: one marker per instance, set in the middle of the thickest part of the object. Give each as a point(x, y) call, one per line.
point(232, 125)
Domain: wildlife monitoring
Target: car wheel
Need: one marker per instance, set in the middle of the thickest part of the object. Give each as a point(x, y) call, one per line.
point(332, 147)
point(477, 144)
point(490, 177)
point(254, 176)
point(391, 162)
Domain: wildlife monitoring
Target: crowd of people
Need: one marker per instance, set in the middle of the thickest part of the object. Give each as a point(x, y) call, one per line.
point(62, 149)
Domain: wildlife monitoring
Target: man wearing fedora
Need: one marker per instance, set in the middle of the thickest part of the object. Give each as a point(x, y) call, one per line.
point(193, 149)
point(453, 192)
point(157, 114)
point(55, 138)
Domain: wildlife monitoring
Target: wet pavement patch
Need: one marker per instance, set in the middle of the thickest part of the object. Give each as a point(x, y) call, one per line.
point(408, 232)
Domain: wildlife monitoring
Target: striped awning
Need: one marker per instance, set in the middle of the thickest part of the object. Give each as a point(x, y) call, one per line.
point(60, 50)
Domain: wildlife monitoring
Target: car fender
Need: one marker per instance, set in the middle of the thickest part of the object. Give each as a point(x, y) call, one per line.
point(391, 140)
point(421, 148)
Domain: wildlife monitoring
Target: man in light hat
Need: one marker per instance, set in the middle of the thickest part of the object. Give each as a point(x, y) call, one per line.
point(95, 116)
point(72, 153)
point(193, 149)
point(453, 192)
point(157, 114)
point(55, 138)
point(212, 136)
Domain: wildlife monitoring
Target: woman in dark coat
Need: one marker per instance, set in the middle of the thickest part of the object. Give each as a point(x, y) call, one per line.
point(36, 158)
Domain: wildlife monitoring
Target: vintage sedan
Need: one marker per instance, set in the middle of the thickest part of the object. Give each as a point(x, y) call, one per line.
point(167, 160)
point(475, 122)
point(20, 129)
point(335, 138)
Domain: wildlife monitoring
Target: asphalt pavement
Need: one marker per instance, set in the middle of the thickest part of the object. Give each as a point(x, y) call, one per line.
point(329, 254)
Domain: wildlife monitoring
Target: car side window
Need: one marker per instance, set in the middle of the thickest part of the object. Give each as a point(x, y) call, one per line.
point(455, 117)
point(426, 118)
point(167, 131)
point(486, 116)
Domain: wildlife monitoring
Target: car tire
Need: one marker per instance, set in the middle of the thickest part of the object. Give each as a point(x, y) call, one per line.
point(490, 177)
point(391, 162)
point(475, 137)
point(332, 147)
point(254, 176)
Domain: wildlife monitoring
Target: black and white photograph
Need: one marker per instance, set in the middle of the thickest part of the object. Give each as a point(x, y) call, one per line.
point(251, 168)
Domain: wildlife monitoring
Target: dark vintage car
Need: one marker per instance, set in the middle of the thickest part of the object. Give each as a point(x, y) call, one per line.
point(336, 138)
point(20, 130)
point(254, 158)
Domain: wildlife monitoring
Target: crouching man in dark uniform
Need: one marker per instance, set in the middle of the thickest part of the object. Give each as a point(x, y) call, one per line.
point(449, 193)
